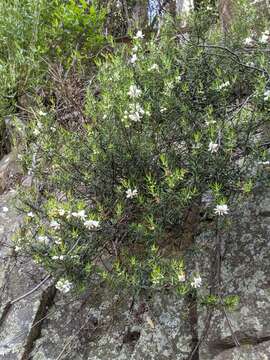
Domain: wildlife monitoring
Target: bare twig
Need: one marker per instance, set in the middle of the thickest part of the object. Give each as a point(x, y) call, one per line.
point(236, 341)
point(205, 331)
point(8, 306)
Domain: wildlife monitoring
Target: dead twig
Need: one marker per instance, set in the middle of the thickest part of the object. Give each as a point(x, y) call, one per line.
point(8, 306)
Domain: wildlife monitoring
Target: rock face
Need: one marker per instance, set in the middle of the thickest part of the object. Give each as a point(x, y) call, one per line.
point(106, 328)
point(9, 172)
point(100, 325)
point(247, 352)
point(17, 277)
point(245, 272)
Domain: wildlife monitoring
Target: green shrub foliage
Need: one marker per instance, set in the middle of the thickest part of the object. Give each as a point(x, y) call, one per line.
point(36, 34)
point(167, 121)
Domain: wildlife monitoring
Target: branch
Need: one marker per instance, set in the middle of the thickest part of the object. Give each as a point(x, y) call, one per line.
point(7, 307)
point(205, 331)
point(238, 60)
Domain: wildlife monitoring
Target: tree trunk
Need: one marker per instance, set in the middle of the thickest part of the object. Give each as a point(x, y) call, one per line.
point(225, 8)
point(140, 13)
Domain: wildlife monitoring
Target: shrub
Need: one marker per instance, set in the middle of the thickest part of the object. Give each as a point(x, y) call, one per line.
point(36, 34)
point(172, 120)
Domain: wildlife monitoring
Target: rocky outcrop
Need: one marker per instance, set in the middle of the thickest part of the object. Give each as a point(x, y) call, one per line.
point(102, 327)
point(247, 352)
point(19, 313)
point(245, 272)
point(9, 172)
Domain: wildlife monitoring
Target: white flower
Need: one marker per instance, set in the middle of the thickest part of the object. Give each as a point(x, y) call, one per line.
point(80, 214)
point(139, 35)
point(136, 107)
point(44, 239)
point(133, 59)
point(5, 209)
point(64, 285)
point(59, 257)
point(134, 91)
point(210, 122)
point(58, 241)
point(197, 282)
point(223, 85)
point(30, 214)
point(154, 67)
point(53, 129)
point(136, 112)
point(91, 224)
point(163, 109)
point(36, 132)
point(54, 224)
point(135, 48)
point(135, 117)
point(221, 209)
point(17, 248)
point(213, 147)
point(61, 212)
point(248, 41)
point(42, 113)
point(131, 193)
point(266, 95)
point(265, 37)
point(182, 277)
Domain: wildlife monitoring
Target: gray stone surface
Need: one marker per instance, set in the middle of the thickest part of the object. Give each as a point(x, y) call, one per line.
point(247, 352)
point(245, 272)
point(106, 328)
point(17, 276)
point(9, 172)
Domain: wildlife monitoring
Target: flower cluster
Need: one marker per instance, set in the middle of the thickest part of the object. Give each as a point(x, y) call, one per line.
point(153, 67)
point(182, 277)
point(55, 225)
point(266, 95)
point(64, 285)
point(91, 224)
point(196, 282)
point(139, 35)
point(131, 193)
point(135, 112)
point(59, 257)
point(221, 209)
point(43, 239)
point(134, 91)
point(213, 147)
point(79, 214)
point(264, 39)
point(134, 56)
